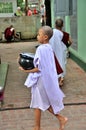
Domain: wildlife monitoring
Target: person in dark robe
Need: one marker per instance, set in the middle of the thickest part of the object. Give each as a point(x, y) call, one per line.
point(10, 33)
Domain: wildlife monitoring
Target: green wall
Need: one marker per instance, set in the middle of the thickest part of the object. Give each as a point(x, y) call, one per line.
point(79, 55)
point(52, 14)
point(81, 15)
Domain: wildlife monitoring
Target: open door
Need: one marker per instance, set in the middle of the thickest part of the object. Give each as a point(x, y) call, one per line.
point(48, 12)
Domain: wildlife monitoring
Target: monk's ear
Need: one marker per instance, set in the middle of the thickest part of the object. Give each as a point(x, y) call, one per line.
point(46, 37)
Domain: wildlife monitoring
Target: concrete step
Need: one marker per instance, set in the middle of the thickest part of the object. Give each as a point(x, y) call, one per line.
point(3, 75)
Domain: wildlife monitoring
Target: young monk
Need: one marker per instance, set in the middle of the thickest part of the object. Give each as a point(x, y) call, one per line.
point(46, 94)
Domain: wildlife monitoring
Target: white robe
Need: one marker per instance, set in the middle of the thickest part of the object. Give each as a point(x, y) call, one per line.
point(59, 48)
point(44, 84)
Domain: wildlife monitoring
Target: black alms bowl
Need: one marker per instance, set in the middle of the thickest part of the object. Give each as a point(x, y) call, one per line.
point(26, 60)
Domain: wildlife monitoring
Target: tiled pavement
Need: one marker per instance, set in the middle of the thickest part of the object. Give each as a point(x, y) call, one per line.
point(15, 114)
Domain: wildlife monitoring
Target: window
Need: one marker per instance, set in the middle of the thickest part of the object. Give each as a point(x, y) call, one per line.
point(6, 7)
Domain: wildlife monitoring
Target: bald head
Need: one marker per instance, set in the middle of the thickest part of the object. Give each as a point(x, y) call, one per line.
point(47, 30)
point(59, 23)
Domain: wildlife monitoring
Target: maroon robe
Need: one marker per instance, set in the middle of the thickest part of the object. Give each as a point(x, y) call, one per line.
point(9, 34)
point(58, 67)
point(66, 39)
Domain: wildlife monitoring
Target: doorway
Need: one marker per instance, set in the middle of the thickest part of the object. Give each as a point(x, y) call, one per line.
point(48, 12)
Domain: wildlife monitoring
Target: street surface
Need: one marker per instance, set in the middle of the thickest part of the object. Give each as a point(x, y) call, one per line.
point(16, 115)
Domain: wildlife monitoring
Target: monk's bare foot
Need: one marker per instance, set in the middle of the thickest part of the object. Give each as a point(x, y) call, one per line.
point(61, 81)
point(62, 123)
